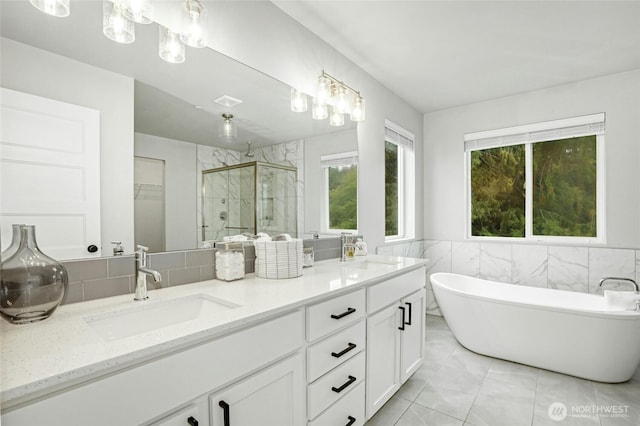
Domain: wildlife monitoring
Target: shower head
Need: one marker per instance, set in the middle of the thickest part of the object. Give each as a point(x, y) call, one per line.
point(248, 153)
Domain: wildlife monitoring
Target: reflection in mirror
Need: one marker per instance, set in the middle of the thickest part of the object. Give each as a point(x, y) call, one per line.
point(176, 119)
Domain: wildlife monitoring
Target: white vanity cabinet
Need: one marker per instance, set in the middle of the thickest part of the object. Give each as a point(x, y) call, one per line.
point(395, 336)
point(155, 392)
point(336, 361)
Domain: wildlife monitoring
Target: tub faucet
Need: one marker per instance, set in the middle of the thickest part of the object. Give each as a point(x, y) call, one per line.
point(141, 273)
point(629, 280)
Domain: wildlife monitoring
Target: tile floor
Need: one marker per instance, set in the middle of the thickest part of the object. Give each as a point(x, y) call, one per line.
point(457, 387)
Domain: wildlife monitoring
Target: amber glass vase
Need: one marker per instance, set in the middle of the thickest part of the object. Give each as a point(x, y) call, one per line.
point(32, 284)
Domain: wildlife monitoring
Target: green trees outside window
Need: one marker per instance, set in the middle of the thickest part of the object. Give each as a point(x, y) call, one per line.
point(391, 188)
point(343, 197)
point(563, 189)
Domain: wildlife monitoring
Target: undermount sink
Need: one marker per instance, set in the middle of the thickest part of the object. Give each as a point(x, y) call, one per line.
point(155, 315)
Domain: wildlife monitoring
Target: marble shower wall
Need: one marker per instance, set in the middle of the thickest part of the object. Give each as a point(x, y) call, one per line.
point(570, 268)
point(286, 154)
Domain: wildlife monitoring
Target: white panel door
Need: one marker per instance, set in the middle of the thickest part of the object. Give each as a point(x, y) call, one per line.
point(50, 173)
point(273, 397)
point(412, 337)
point(383, 357)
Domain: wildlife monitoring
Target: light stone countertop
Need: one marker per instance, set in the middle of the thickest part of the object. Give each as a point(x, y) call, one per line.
point(64, 350)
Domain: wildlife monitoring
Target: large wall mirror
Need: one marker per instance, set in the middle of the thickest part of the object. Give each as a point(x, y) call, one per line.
point(167, 117)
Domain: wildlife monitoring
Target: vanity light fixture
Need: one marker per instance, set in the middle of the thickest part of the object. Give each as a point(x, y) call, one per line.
point(298, 101)
point(195, 28)
point(140, 11)
point(170, 47)
point(58, 8)
point(342, 98)
point(227, 129)
point(115, 25)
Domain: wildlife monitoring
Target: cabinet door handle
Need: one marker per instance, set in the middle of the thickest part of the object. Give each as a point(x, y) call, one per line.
point(351, 419)
point(344, 351)
point(225, 411)
point(409, 314)
point(343, 387)
point(192, 421)
point(402, 308)
point(349, 311)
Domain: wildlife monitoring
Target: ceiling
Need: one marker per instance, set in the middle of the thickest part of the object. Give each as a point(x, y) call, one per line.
point(441, 54)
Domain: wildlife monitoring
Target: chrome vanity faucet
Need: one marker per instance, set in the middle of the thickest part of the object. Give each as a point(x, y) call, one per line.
point(141, 273)
point(629, 280)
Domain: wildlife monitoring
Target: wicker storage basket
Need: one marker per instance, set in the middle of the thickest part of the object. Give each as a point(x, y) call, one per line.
point(279, 259)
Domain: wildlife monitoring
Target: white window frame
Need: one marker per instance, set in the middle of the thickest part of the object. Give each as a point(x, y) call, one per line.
point(528, 135)
point(333, 160)
point(405, 141)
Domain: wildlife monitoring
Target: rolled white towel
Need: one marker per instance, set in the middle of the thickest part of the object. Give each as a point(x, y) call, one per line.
point(621, 299)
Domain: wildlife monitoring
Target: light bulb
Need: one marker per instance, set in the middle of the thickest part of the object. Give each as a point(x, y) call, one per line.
point(323, 90)
point(114, 25)
point(337, 118)
point(170, 47)
point(140, 11)
point(358, 109)
point(227, 129)
point(319, 111)
point(195, 33)
point(298, 101)
point(59, 8)
point(340, 101)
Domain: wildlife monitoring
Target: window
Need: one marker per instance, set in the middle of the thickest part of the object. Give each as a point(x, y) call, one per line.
point(542, 181)
point(340, 207)
point(399, 181)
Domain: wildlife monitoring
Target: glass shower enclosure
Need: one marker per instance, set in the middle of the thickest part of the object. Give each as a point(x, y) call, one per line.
point(249, 197)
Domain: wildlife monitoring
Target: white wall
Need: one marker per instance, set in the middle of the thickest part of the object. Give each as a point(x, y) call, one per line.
point(42, 73)
point(617, 95)
point(332, 143)
point(181, 187)
point(262, 36)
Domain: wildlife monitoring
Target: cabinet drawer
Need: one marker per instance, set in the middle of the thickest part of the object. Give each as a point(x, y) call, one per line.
point(334, 350)
point(333, 314)
point(331, 387)
point(192, 413)
point(388, 292)
point(349, 410)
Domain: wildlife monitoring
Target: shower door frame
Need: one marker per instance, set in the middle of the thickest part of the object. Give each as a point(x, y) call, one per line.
point(254, 164)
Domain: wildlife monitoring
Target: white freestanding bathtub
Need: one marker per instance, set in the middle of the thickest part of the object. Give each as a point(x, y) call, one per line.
point(568, 332)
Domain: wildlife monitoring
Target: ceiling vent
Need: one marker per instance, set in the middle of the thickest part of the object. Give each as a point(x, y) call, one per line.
point(228, 101)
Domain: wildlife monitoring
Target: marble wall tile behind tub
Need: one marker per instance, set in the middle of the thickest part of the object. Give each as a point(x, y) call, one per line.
point(568, 268)
point(465, 258)
point(438, 255)
point(607, 262)
point(529, 265)
point(495, 262)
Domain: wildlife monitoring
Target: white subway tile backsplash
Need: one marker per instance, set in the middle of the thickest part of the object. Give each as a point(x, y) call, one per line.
point(465, 258)
point(607, 262)
point(529, 265)
point(569, 268)
point(495, 262)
